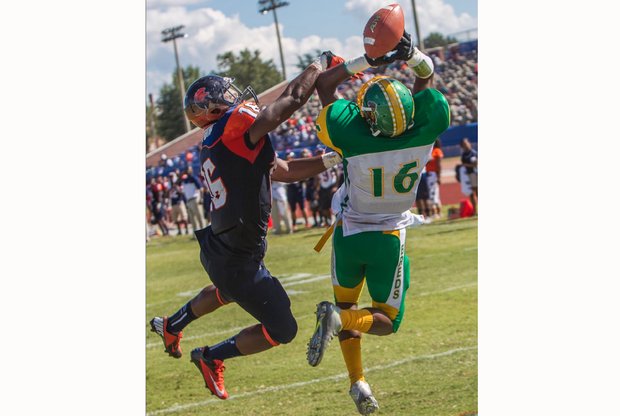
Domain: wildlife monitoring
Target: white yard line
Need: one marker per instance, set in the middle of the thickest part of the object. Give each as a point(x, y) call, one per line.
point(340, 376)
point(312, 279)
point(450, 289)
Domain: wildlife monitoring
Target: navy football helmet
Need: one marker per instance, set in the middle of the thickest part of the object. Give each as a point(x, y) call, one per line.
point(209, 97)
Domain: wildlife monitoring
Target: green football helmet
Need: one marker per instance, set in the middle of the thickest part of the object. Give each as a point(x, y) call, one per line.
point(386, 105)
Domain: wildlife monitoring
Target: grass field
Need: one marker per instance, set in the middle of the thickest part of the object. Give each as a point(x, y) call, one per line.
point(428, 368)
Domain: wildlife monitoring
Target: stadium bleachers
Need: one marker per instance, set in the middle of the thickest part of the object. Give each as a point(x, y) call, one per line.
point(456, 77)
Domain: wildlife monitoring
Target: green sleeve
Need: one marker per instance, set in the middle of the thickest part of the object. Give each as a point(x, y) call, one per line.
point(336, 123)
point(432, 112)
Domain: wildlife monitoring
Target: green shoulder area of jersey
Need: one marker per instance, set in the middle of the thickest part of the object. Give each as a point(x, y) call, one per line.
point(341, 127)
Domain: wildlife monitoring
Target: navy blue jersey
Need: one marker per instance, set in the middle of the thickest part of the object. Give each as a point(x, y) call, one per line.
point(470, 157)
point(238, 177)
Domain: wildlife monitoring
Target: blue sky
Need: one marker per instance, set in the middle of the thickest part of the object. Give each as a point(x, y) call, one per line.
point(215, 26)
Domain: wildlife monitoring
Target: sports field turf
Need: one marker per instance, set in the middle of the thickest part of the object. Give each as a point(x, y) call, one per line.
point(428, 368)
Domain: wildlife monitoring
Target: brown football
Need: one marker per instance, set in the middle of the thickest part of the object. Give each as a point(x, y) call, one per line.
point(384, 30)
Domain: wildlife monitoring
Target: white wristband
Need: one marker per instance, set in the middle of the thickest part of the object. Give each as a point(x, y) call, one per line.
point(421, 64)
point(353, 66)
point(331, 159)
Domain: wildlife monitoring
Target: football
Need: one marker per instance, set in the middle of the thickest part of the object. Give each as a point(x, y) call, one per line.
point(384, 30)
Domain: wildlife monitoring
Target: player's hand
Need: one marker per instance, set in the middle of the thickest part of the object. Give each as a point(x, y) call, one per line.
point(332, 60)
point(388, 58)
point(329, 60)
point(404, 49)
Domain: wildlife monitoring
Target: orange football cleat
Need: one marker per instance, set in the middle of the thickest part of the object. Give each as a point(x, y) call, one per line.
point(212, 371)
point(171, 341)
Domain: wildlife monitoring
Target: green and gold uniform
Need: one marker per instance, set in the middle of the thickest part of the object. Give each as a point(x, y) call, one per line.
point(373, 204)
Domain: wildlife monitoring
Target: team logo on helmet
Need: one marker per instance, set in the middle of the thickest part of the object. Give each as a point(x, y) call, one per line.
point(201, 94)
point(371, 112)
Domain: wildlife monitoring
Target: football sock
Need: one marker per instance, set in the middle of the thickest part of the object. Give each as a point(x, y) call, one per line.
point(352, 353)
point(223, 350)
point(180, 319)
point(359, 320)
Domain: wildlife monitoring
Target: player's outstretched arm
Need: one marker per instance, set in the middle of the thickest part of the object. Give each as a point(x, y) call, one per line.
point(300, 169)
point(328, 81)
point(294, 96)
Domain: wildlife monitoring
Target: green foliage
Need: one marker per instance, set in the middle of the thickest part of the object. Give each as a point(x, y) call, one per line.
point(428, 368)
point(248, 68)
point(170, 122)
point(306, 59)
point(437, 39)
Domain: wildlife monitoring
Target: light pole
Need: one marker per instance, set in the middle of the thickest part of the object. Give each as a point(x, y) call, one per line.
point(417, 26)
point(272, 5)
point(172, 34)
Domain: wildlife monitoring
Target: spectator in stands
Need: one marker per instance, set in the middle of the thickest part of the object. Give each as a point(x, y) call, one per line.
point(179, 210)
point(469, 159)
point(157, 206)
point(311, 193)
point(192, 188)
point(280, 211)
point(295, 196)
point(422, 198)
point(433, 170)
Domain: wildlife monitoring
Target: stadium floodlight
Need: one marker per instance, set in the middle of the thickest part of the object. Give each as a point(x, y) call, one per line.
point(172, 34)
point(272, 5)
point(417, 26)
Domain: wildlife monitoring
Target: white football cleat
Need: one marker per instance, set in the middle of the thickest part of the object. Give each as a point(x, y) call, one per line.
point(363, 398)
point(328, 324)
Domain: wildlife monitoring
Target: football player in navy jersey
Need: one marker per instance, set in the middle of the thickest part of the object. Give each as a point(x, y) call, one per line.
point(238, 163)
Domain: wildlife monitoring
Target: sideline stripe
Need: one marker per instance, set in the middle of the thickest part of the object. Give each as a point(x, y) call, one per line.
point(340, 376)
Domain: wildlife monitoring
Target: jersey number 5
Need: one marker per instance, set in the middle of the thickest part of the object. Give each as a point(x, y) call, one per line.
point(404, 180)
point(216, 186)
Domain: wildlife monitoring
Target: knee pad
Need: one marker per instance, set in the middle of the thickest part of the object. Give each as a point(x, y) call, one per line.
point(283, 331)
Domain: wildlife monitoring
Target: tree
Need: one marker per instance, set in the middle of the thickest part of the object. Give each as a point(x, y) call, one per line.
point(248, 68)
point(306, 59)
point(170, 122)
point(437, 39)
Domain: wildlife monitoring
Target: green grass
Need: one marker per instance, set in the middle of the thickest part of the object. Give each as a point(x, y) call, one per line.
point(428, 368)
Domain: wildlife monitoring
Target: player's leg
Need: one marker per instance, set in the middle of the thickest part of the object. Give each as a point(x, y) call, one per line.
point(302, 207)
point(348, 271)
point(292, 203)
point(170, 328)
point(260, 294)
point(387, 276)
point(386, 269)
point(383, 253)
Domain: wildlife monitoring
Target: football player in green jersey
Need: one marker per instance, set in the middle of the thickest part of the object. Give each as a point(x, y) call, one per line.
point(385, 140)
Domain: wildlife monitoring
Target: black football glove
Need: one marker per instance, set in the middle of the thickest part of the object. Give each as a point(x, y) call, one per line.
point(404, 49)
point(402, 52)
point(388, 58)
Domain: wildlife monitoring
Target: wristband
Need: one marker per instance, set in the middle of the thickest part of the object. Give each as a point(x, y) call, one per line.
point(421, 64)
point(331, 159)
point(353, 66)
point(320, 63)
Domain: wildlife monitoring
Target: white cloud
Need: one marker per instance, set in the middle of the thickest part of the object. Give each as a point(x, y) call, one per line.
point(433, 15)
point(211, 32)
point(150, 4)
